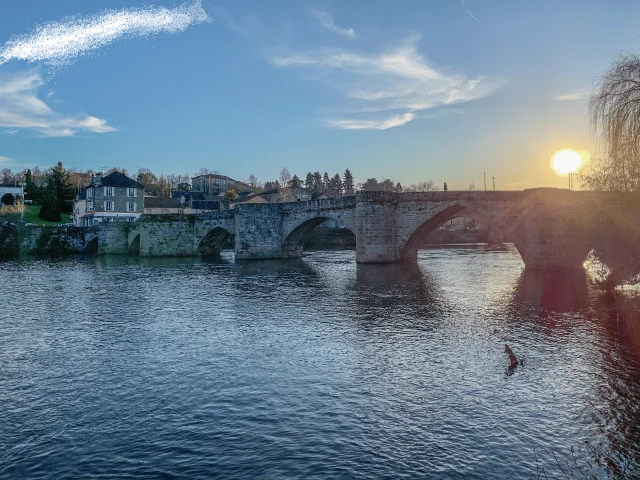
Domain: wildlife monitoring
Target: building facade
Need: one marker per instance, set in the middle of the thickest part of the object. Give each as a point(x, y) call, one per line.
point(113, 197)
point(162, 206)
point(213, 184)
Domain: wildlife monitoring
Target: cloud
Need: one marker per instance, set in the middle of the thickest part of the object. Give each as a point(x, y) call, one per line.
point(572, 97)
point(381, 124)
point(398, 79)
point(327, 22)
point(7, 162)
point(472, 15)
point(10, 132)
point(21, 108)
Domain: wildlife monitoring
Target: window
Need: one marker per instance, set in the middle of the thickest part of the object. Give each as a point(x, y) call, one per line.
point(131, 192)
point(131, 207)
point(108, 191)
point(108, 206)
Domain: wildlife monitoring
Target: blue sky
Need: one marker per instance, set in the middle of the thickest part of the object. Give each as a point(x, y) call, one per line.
point(408, 90)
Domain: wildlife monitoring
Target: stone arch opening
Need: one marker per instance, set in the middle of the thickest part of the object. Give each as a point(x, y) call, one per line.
point(91, 246)
point(295, 242)
point(134, 246)
point(213, 242)
point(415, 241)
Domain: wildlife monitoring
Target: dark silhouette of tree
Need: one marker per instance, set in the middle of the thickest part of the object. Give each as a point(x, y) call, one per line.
point(426, 186)
point(445, 187)
point(325, 181)
point(8, 199)
point(348, 182)
point(398, 187)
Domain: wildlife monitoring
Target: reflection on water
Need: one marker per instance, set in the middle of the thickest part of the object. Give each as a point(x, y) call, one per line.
point(316, 367)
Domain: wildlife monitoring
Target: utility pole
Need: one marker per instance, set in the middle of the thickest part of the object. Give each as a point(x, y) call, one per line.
point(494, 183)
point(485, 180)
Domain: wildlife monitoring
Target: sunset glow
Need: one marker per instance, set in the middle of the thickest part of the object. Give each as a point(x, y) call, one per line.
point(566, 161)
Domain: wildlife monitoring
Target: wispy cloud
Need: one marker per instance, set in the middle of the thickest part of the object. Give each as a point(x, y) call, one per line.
point(6, 162)
point(327, 22)
point(20, 107)
point(9, 132)
point(472, 15)
point(399, 79)
point(378, 124)
point(572, 97)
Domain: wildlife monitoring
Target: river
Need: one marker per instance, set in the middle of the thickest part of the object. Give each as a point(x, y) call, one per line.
point(315, 368)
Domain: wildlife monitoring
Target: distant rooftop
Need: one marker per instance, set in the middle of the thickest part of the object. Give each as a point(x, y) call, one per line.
point(117, 179)
point(161, 202)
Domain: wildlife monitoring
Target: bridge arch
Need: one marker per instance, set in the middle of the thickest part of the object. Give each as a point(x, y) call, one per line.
point(134, 245)
point(295, 239)
point(91, 246)
point(212, 243)
point(410, 242)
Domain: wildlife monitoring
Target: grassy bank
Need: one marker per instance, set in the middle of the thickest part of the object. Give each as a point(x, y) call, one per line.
point(30, 215)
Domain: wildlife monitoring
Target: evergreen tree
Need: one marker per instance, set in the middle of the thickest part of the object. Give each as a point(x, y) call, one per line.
point(58, 197)
point(337, 184)
point(348, 182)
point(398, 187)
point(30, 185)
point(295, 182)
point(325, 181)
point(317, 181)
point(309, 180)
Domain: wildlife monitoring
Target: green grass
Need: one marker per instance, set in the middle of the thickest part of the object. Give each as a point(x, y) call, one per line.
point(31, 216)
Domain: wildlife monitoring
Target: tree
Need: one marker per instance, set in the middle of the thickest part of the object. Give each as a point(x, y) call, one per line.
point(8, 199)
point(615, 116)
point(295, 182)
point(58, 196)
point(30, 185)
point(253, 182)
point(6, 176)
point(317, 181)
point(336, 184)
point(285, 189)
point(348, 182)
point(325, 181)
point(426, 186)
point(309, 180)
point(206, 171)
point(370, 184)
point(116, 169)
point(398, 187)
point(231, 194)
point(471, 187)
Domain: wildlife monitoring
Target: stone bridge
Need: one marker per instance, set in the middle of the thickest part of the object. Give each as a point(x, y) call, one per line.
point(551, 228)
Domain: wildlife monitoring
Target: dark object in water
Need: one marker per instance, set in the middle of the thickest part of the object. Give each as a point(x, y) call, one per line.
point(513, 360)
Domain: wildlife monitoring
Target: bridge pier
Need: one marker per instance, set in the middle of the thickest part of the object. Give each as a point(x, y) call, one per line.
point(376, 229)
point(554, 237)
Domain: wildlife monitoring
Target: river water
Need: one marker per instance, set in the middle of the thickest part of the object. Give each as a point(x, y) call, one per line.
point(318, 368)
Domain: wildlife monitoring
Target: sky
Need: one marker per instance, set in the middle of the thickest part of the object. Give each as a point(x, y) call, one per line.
point(410, 90)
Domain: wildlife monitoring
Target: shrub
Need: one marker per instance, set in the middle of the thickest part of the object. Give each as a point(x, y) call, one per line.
point(8, 199)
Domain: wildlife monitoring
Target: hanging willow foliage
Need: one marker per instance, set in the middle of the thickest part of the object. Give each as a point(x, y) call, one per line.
point(614, 109)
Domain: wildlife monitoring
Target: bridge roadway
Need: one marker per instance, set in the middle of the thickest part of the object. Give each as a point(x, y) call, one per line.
point(551, 228)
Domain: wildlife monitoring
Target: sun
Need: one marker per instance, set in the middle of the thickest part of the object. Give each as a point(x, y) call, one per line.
point(566, 161)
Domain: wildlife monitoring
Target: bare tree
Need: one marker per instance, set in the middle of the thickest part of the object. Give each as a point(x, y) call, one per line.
point(253, 182)
point(472, 186)
point(206, 171)
point(285, 189)
point(615, 116)
point(426, 186)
